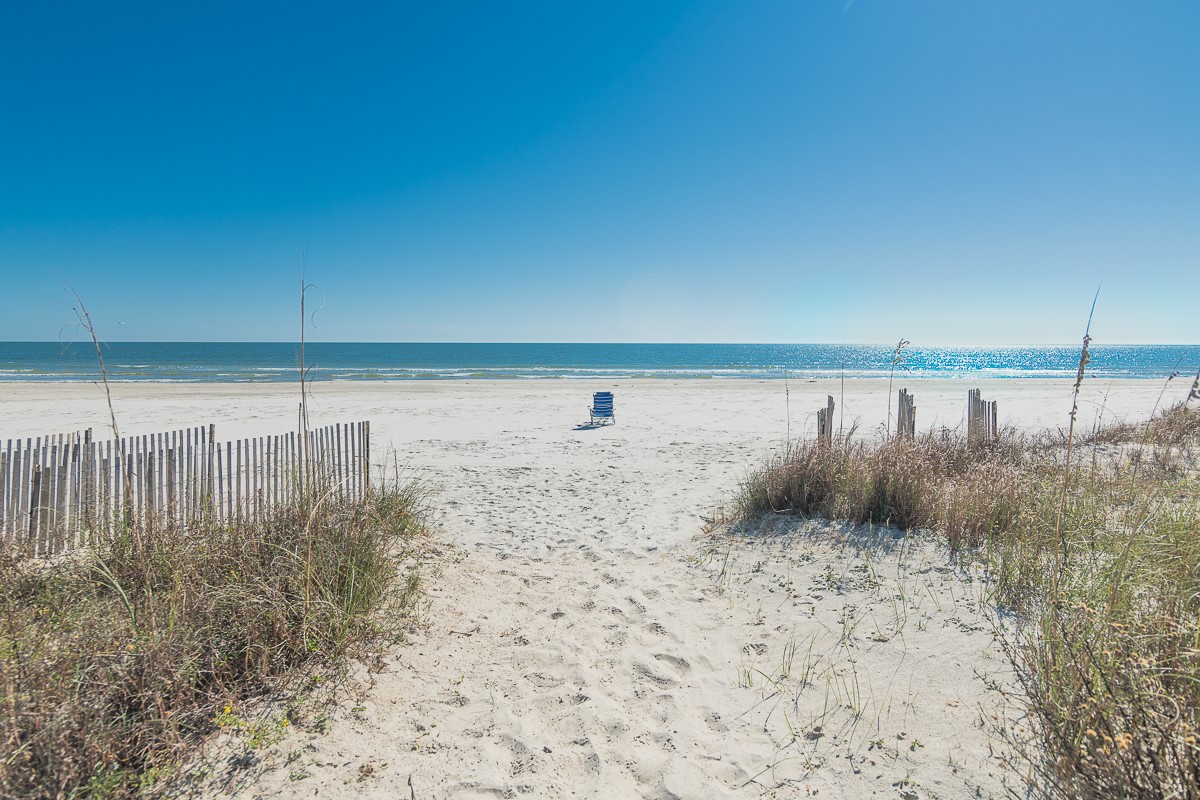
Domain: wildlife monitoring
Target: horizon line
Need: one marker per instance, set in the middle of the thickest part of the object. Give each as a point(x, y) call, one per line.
point(308, 342)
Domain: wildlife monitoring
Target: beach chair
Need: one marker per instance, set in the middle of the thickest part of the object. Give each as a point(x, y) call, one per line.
point(602, 408)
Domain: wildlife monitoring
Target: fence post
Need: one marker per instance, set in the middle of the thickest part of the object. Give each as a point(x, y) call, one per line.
point(5, 484)
point(366, 461)
point(825, 421)
point(906, 415)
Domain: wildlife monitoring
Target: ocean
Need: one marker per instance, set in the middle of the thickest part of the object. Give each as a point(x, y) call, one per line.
point(234, 362)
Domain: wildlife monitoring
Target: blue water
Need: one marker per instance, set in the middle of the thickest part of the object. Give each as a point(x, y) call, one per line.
point(276, 361)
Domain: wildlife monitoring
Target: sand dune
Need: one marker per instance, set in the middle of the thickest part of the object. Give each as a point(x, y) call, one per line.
point(583, 636)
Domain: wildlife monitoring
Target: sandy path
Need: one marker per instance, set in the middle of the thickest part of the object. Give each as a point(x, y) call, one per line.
point(807, 668)
point(582, 641)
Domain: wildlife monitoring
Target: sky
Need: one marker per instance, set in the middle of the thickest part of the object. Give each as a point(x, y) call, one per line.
point(820, 171)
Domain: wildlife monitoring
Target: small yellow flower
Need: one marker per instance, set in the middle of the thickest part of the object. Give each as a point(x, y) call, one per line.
point(228, 709)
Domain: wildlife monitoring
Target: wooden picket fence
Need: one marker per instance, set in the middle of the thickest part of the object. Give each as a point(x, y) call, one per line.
point(58, 492)
point(982, 418)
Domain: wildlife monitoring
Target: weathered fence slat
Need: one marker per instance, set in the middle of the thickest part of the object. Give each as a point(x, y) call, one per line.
point(825, 421)
point(58, 492)
point(5, 458)
point(981, 418)
point(906, 414)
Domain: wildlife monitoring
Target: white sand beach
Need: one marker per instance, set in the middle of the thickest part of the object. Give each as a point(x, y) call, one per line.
point(583, 637)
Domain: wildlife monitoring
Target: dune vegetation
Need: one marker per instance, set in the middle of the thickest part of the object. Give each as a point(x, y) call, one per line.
point(118, 659)
point(1093, 541)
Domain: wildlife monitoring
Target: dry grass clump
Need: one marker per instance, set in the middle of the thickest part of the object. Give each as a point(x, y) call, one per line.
point(1163, 444)
point(1100, 556)
point(935, 480)
point(115, 661)
point(1173, 427)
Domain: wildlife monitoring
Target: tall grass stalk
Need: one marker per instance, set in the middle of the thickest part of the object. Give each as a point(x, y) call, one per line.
point(1084, 357)
point(1166, 385)
point(897, 360)
point(787, 404)
point(85, 321)
point(842, 397)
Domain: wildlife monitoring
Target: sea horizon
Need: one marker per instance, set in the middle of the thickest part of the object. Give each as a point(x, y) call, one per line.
point(249, 362)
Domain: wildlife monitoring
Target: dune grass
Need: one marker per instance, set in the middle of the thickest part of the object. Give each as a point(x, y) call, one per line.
point(1107, 649)
point(116, 661)
point(930, 481)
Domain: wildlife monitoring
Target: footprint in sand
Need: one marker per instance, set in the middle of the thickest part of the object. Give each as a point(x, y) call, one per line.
point(663, 681)
point(523, 760)
point(678, 663)
point(656, 629)
point(543, 681)
point(617, 638)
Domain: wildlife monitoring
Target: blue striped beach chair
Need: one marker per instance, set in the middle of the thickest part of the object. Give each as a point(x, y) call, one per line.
point(602, 408)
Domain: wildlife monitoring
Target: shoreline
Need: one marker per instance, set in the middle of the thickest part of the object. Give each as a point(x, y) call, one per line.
point(669, 377)
point(33, 408)
point(386, 361)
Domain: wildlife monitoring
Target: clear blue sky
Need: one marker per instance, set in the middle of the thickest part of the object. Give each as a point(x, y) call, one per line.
point(950, 172)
